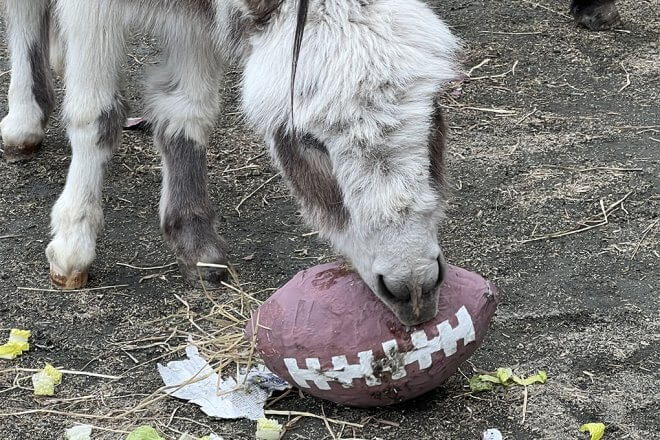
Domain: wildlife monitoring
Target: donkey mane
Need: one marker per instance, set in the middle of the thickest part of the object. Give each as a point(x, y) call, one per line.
point(301, 19)
point(262, 10)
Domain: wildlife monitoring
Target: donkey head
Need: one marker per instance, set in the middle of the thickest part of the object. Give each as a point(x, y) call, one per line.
point(363, 150)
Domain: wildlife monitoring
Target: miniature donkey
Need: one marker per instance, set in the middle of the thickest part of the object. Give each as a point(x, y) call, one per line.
point(362, 153)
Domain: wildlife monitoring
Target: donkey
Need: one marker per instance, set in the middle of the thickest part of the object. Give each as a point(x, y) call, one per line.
point(363, 152)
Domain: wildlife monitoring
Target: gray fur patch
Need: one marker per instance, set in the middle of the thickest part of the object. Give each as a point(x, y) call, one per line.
point(42, 86)
point(262, 10)
point(314, 186)
point(309, 141)
point(164, 81)
point(110, 123)
point(238, 27)
point(201, 8)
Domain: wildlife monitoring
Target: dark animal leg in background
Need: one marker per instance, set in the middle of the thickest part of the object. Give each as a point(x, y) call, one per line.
point(182, 106)
point(187, 218)
point(596, 15)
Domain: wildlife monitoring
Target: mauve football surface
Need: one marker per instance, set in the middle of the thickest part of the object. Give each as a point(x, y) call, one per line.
point(328, 334)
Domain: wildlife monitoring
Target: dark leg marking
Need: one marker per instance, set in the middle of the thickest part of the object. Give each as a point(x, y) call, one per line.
point(310, 142)
point(263, 9)
point(110, 123)
point(188, 219)
point(42, 86)
point(596, 15)
point(314, 185)
point(437, 143)
point(240, 27)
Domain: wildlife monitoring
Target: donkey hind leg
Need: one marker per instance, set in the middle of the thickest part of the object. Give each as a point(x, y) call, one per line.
point(596, 15)
point(94, 111)
point(182, 104)
point(31, 97)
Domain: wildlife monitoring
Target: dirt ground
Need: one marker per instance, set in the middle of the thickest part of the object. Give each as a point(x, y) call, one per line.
point(535, 150)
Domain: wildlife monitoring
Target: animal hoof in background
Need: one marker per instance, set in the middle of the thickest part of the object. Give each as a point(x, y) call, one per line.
point(22, 134)
point(210, 274)
point(18, 153)
point(76, 280)
point(602, 17)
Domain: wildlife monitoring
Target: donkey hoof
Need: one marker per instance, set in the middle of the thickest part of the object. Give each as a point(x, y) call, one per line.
point(601, 17)
point(76, 280)
point(18, 153)
point(210, 276)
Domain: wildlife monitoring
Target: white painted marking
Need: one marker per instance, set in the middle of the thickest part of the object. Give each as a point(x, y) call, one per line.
point(394, 361)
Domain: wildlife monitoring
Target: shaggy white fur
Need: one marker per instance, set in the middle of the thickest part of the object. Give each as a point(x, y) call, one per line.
point(368, 75)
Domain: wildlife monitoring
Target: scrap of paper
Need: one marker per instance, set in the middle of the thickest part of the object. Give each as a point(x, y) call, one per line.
point(491, 434)
point(194, 380)
point(80, 432)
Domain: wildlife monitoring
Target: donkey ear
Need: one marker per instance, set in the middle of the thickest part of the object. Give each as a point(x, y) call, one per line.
point(261, 10)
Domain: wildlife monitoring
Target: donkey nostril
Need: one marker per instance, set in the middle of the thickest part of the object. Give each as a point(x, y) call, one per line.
point(398, 294)
point(441, 272)
point(383, 287)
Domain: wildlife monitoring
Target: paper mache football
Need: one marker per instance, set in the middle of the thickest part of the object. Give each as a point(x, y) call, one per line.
point(328, 334)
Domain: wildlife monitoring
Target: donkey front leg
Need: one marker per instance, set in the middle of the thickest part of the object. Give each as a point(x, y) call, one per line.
point(182, 104)
point(94, 111)
point(31, 97)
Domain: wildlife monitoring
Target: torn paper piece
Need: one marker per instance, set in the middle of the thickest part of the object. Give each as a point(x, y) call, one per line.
point(80, 432)
point(268, 429)
point(260, 375)
point(194, 380)
point(211, 437)
point(492, 434)
point(144, 432)
point(44, 381)
point(16, 345)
